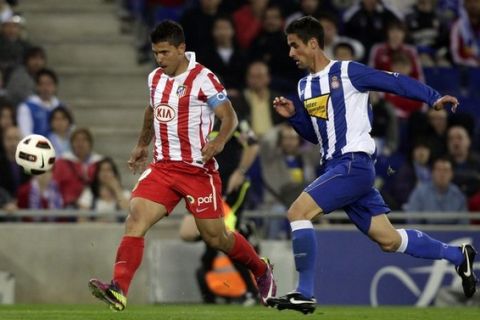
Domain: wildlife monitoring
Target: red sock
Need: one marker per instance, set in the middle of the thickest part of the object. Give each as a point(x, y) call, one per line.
point(244, 253)
point(129, 258)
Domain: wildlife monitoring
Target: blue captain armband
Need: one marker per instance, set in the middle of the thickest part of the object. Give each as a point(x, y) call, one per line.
point(217, 99)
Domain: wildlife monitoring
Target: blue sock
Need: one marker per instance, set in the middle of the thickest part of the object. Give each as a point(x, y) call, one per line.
point(305, 252)
point(420, 245)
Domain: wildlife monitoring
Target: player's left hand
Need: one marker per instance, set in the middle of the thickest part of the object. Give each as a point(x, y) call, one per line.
point(211, 149)
point(444, 101)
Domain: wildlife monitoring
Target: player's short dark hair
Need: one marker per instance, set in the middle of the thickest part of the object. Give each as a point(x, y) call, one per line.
point(169, 31)
point(46, 72)
point(307, 28)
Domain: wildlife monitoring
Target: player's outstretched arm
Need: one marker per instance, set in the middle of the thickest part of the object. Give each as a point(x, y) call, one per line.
point(364, 78)
point(139, 156)
point(229, 122)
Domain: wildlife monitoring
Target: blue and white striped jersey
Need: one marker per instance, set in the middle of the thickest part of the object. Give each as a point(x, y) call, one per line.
point(336, 113)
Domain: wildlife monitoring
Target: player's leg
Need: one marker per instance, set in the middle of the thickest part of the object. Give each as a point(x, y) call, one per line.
point(143, 214)
point(304, 244)
point(418, 244)
point(236, 201)
point(345, 180)
point(238, 249)
point(152, 199)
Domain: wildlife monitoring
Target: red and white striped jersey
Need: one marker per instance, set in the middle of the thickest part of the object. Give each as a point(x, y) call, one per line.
point(182, 117)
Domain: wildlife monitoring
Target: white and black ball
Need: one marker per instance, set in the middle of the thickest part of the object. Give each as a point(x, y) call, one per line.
point(35, 154)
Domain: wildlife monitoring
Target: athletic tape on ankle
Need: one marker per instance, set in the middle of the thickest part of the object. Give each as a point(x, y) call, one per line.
point(403, 245)
point(301, 224)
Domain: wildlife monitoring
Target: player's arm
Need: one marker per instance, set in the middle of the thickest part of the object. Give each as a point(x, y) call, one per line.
point(224, 111)
point(364, 78)
point(139, 156)
point(297, 117)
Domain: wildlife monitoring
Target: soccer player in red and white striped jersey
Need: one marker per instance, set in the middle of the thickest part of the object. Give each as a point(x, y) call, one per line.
point(185, 97)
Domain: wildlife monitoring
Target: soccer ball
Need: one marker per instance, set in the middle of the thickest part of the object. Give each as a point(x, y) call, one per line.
point(35, 154)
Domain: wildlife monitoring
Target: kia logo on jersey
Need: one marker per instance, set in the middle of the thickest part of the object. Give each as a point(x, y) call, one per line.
point(164, 113)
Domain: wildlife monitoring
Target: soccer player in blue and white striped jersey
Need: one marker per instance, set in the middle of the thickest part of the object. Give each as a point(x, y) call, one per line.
point(337, 116)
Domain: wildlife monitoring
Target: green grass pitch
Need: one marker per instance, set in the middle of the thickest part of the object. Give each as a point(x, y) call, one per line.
point(229, 312)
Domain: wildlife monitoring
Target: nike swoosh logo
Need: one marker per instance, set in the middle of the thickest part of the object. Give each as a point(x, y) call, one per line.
point(468, 273)
point(43, 163)
point(295, 301)
point(201, 210)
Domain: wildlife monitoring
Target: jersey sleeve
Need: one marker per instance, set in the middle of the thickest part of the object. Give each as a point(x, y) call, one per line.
point(364, 79)
point(301, 121)
point(213, 90)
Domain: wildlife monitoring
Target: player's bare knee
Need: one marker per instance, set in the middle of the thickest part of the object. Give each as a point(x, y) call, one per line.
point(294, 215)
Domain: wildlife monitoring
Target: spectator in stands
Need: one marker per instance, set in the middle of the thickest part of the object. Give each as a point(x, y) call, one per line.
point(7, 203)
point(428, 32)
point(12, 46)
point(343, 51)
point(311, 8)
point(367, 20)
point(248, 22)
point(61, 125)
point(271, 47)
point(226, 60)
point(333, 39)
point(255, 104)
point(439, 195)
point(6, 11)
point(437, 132)
point(3, 91)
point(465, 35)
point(7, 116)
point(384, 125)
point(12, 175)
point(402, 64)
point(285, 164)
point(197, 24)
point(381, 55)
point(105, 193)
point(147, 13)
point(466, 164)
point(33, 114)
point(415, 171)
point(287, 169)
point(75, 170)
point(21, 83)
point(41, 192)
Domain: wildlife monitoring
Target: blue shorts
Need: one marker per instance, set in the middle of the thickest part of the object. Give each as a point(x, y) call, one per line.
point(347, 183)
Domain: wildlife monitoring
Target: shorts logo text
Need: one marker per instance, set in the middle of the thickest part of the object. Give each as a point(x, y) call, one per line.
point(207, 199)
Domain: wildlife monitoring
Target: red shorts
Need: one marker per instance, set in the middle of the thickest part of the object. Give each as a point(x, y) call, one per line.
point(168, 182)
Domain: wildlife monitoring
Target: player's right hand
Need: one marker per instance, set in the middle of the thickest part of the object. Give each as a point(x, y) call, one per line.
point(138, 159)
point(284, 107)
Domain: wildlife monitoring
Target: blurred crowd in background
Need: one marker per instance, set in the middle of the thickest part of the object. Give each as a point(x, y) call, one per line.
point(427, 160)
